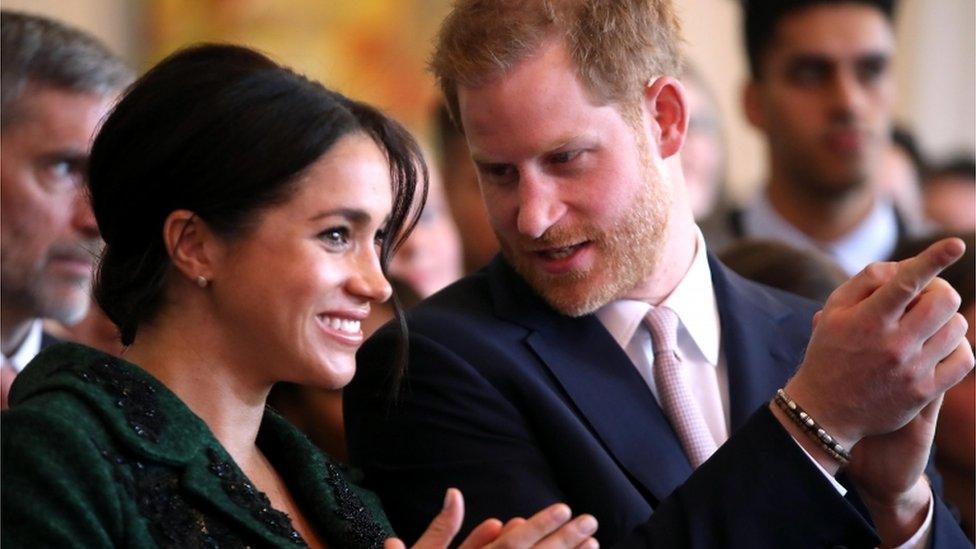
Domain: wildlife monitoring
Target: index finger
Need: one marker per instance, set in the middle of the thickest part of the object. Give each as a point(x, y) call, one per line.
point(913, 274)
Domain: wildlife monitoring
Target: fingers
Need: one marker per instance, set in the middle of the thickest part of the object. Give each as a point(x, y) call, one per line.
point(512, 524)
point(393, 543)
point(589, 543)
point(944, 341)
point(483, 534)
point(912, 275)
point(931, 411)
point(816, 318)
point(575, 533)
point(954, 367)
point(928, 313)
point(863, 284)
point(446, 524)
point(550, 527)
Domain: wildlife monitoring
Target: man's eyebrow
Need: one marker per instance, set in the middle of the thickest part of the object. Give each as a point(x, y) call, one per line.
point(549, 147)
point(68, 154)
point(353, 215)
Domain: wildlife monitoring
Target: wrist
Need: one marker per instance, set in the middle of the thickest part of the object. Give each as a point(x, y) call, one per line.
point(899, 516)
point(825, 460)
point(846, 435)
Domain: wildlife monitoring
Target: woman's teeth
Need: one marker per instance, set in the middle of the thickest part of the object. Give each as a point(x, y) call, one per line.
point(342, 324)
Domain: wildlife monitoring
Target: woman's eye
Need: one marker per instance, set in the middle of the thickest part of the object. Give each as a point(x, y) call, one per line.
point(336, 236)
point(380, 237)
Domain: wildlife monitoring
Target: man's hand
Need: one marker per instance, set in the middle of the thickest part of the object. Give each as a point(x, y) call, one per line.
point(887, 343)
point(887, 470)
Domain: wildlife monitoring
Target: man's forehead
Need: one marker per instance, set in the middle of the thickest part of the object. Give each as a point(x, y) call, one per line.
point(833, 30)
point(58, 112)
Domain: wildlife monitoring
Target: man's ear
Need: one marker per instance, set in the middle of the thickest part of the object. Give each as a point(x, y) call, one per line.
point(191, 245)
point(752, 105)
point(664, 100)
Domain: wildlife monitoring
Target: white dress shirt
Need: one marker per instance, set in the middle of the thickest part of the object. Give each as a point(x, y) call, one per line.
point(28, 348)
point(873, 239)
point(699, 348)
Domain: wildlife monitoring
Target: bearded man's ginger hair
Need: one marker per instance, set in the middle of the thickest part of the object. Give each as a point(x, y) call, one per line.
point(616, 45)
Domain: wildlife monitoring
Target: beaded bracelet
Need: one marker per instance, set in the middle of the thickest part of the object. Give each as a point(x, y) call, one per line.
point(811, 427)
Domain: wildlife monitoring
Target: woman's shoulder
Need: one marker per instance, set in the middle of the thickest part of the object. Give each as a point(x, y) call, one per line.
point(70, 380)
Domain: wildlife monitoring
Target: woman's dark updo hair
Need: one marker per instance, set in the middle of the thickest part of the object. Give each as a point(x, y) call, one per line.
point(224, 132)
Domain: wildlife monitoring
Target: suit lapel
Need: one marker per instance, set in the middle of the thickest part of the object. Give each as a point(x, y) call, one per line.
point(759, 355)
point(602, 383)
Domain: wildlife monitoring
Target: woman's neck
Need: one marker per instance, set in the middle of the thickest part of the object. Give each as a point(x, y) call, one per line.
point(201, 368)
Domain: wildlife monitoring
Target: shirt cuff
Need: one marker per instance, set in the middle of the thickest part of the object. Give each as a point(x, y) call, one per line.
point(921, 537)
point(833, 481)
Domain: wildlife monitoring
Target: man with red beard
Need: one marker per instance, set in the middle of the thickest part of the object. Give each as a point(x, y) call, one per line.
point(605, 359)
point(57, 84)
point(822, 91)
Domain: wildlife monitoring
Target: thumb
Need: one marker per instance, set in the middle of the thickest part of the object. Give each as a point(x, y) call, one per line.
point(393, 543)
point(446, 524)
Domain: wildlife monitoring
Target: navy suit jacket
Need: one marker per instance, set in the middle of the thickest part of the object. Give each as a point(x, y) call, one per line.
point(521, 407)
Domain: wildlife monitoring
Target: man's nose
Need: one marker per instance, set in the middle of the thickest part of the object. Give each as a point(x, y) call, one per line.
point(848, 93)
point(540, 205)
point(83, 219)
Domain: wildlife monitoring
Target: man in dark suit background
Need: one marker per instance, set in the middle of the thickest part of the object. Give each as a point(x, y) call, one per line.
point(57, 84)
point(602, 358)
point(821, 91)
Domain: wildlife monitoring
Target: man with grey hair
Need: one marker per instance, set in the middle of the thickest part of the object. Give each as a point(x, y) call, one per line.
point(56, 85)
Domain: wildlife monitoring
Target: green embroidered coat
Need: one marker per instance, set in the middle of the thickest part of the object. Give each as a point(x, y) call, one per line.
point(97, 453)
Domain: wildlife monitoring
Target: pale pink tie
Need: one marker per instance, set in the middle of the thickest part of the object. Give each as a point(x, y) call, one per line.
point(673, 392)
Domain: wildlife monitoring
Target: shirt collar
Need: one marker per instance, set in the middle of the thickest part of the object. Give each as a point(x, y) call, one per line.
point(28, 348)
point(693, 300)
point(873, 239)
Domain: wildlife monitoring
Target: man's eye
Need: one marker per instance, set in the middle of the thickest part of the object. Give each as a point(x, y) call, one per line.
point(63, 175)
point(499, 172)
point(809, 74)
point(872, 69)
point(564, 157)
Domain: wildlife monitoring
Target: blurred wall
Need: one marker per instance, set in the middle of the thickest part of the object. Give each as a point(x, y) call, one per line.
point(935, 63)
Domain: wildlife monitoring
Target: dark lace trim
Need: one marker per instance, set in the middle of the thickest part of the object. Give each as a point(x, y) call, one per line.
point(364, 531)
point(173, 522)
point(245, 495)
point(135, 396)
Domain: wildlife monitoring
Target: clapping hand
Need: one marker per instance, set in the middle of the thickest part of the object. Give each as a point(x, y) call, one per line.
point(884, 350)
point(550, 528)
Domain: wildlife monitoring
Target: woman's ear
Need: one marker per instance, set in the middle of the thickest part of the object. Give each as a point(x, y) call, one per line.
point(191, 245)
point(664, 100)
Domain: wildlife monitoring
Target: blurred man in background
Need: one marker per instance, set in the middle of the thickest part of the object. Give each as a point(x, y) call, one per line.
point(950, 195)
point(57, 84)
point(822, 91)
point(463, 195)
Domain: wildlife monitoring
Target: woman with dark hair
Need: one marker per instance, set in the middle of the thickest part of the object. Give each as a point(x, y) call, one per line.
point(248, 216)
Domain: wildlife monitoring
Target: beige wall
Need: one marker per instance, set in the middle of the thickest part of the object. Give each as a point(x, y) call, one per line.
point(934, 67)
